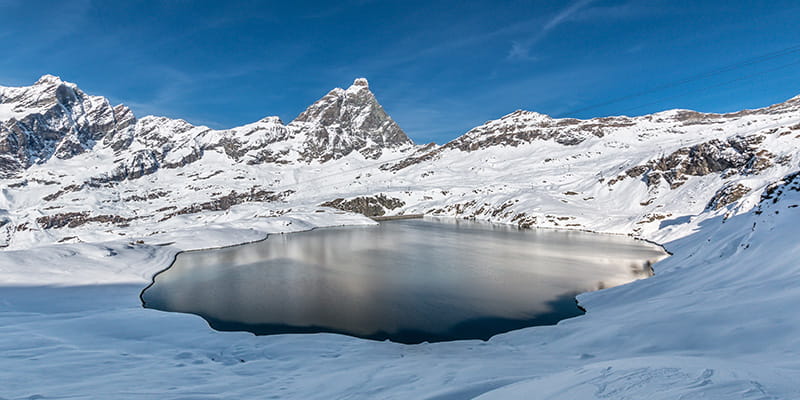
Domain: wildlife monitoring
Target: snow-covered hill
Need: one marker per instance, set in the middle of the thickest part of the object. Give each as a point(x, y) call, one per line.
point(91, 195)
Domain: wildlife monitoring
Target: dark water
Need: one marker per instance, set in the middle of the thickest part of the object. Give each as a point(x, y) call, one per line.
point(408, 281)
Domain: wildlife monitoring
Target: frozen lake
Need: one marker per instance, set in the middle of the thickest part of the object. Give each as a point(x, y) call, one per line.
point(407, 281)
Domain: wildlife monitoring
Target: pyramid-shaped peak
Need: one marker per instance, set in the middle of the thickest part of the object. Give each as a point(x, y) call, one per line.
point(345, 106)
point(347, 120)
point(362, 82)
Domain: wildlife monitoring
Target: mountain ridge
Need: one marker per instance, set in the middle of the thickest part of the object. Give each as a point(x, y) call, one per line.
point(49, 119)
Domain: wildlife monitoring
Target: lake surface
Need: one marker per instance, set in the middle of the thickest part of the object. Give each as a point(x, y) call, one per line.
point(407, 281)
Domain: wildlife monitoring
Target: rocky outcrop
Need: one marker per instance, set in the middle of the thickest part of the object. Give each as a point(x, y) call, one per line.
point(775, 190)
point(517, 128)
point(231, 199)
point(250, 143)
point(372, 206)
point(526, 126)
point(728, 194)
point(76, 219)
point(425, 153)
point(736, 155)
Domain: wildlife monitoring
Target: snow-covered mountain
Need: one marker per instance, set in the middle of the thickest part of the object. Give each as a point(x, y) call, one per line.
point(652, 171)
point(54, 118)
point(75, 168)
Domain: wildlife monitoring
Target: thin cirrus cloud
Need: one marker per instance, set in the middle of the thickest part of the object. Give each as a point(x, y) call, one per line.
point(520, 50)
point(177, 85)
point(581, 11)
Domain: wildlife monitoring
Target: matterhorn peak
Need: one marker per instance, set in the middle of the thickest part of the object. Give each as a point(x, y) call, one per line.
point(347, 120)
point(359, 83)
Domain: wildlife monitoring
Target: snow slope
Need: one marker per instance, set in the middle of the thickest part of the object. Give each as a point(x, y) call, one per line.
point(717, 190)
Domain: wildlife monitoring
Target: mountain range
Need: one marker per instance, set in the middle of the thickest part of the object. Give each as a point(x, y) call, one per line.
point(75, 168)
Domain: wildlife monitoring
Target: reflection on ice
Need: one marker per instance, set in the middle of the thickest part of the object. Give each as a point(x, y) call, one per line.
point(408, 281)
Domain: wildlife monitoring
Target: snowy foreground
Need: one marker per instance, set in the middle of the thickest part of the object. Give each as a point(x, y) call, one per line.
point(715, 322)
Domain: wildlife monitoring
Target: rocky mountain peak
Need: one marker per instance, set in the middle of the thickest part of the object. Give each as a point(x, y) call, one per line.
point(53, 118)
point(346, 120)
point(360, 83)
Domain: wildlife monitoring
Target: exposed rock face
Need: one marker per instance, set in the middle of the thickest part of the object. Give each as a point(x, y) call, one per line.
point(526, 126)
point(76, 219)
point(140, 163)
point(53, 118)
point(775, 190)
point(736, 155)
point(347, 120)
point(425, 153)
point(727, 195)
point(231, 199)
point(374, 206)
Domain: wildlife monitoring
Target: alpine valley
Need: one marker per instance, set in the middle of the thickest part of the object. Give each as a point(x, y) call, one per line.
point(95, 201)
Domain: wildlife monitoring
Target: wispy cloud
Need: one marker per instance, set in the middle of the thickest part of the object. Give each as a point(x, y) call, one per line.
point(565, 14)
point(176, 85)
point(520, 50)
point(334, 9)
point(442, 119)
point(457, 38)
point(196, 96)
point(63, 20)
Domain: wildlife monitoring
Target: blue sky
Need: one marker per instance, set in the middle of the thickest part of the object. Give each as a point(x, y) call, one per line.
point(439, 68)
